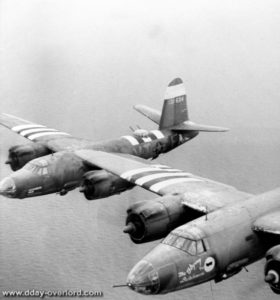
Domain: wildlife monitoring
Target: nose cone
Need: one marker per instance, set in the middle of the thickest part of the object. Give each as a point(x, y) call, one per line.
point(143, 278)
point(8, 187)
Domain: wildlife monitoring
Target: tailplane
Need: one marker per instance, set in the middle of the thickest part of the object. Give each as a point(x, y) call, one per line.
point(175, 114)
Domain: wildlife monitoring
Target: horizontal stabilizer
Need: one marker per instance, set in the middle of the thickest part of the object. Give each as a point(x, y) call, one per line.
point(148, 112)
point(191, 126)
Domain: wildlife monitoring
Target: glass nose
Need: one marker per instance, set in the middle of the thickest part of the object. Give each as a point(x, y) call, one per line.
point(7, 187)
point(143, 278)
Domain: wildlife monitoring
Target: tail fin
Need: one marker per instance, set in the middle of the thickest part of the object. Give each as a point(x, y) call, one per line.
point(175, 114)
point(174, 111)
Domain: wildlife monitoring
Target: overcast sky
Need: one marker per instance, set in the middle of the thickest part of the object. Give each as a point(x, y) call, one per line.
point(80, 66)
point(96, 58)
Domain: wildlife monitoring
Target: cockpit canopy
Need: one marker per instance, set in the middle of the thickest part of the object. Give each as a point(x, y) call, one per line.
point(192, 247)
point(37, 166)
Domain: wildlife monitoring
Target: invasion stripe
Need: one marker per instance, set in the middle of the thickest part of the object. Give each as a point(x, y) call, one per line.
point(155, 171)
point(26, 126)
point(146, 139)
point(129, 174)
point(131, 139)
point(148, 178)
point(160, 185)
point(161, 166)
point(152, 136)
point(138, 138)
point(158, 134)
point(26, 132)
point(36, 135)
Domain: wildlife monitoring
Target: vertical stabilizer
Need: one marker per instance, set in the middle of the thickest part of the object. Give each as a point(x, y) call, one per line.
point(174, 111)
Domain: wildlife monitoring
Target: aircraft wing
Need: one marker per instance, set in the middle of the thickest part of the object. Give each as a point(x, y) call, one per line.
point(54, 139)
point(269, 223)
point(199, 193)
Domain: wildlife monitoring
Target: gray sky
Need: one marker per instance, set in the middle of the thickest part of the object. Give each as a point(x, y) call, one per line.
point(79, 66)
point(89, 56)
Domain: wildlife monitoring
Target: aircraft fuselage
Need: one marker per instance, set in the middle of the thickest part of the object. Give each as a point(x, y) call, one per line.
point(213, 247)
point(64, 171)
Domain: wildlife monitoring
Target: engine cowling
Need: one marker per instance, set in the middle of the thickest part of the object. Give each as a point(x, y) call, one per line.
point(100, 184)
point(153, 219)
point(21, 154)
point(272, 269)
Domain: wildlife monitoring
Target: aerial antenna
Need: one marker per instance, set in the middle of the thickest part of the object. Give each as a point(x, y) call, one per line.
point(206, 215)
point(119, 285)
point(131, 128)
point(211, 289)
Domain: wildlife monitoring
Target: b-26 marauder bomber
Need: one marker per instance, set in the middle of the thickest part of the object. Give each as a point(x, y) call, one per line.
point(50, 164)
point(211, 230)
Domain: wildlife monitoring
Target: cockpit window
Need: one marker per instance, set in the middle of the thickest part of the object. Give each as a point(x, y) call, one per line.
point(39, 167)
point(187, 245)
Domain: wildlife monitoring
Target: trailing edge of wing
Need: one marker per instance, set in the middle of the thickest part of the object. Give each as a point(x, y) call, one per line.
point(269, 223)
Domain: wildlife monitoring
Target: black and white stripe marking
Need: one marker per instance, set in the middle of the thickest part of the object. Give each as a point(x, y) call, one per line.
point(137, 140)
point(157, 177)
point(34, 131)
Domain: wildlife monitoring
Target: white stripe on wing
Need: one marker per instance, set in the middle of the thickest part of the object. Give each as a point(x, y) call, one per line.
point(148, 178)
point(26, 126)
point(37, 135)
point(160, 185)
point(28, 131)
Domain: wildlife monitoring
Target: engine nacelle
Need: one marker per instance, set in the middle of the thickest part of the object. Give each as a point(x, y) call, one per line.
point(21, 154)
point(100, 184)
point(153, 219)
point(272, 269)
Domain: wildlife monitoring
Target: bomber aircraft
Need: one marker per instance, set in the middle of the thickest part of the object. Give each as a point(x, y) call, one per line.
point(211, 230)
point(50, 165)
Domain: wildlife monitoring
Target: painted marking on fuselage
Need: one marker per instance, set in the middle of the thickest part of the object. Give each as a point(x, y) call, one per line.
point(163, 184)
point(148, 178)
point(146, 139)
point(129, 174)
point(174, 92)
point(158, 134)
point(37, 135)
point(29, 131)
point(131, 139)
point(209, 264)
point(26, 126)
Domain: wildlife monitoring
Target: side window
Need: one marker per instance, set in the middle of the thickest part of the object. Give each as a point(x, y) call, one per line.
point(199, 247)
point(179, 242)
point(169, 240)
point(45, 171)
point(192, 248)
